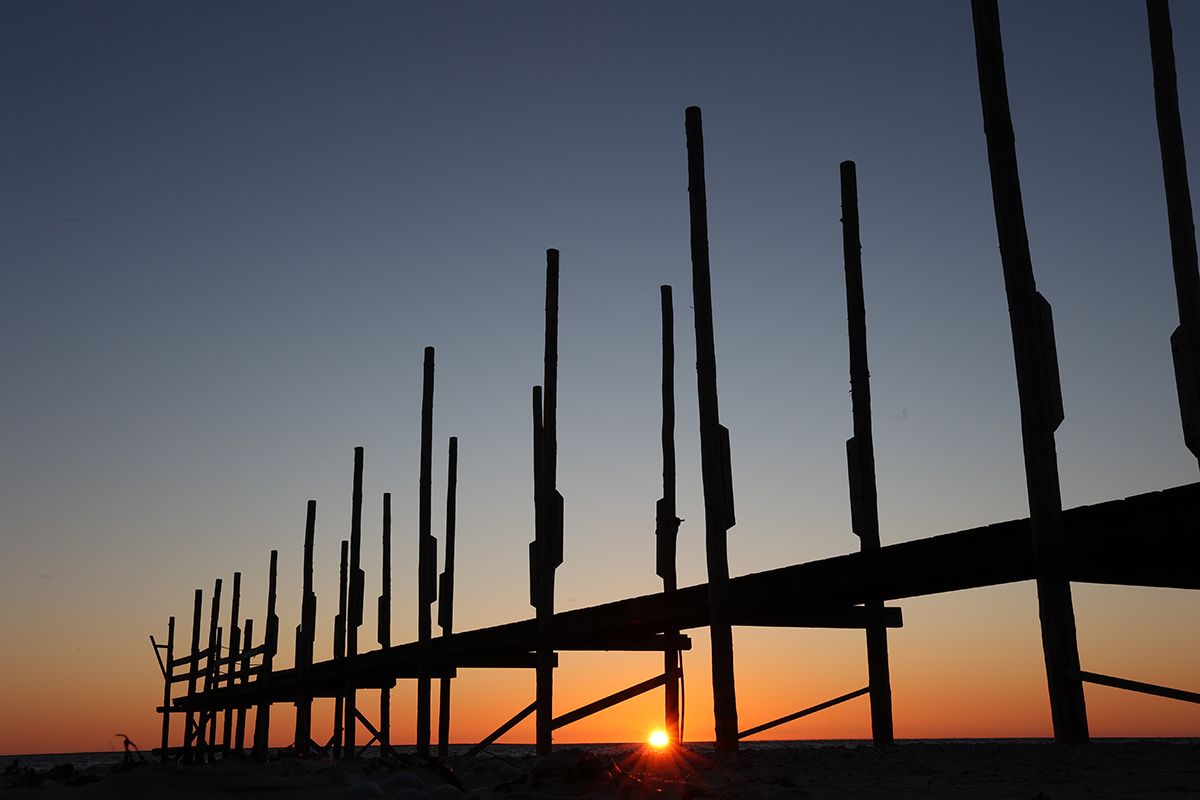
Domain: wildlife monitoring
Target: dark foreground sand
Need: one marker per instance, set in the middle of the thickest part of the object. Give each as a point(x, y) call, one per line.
point(1026, 771)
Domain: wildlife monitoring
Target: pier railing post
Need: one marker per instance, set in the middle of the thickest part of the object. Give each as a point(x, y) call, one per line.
point(860, 452)
point(714, 449)
point(1038, 387)
point(208, 718)
point(168, 675)
point(339, 646)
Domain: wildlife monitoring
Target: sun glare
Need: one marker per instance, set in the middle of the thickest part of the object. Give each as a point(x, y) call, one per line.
point(659, 739)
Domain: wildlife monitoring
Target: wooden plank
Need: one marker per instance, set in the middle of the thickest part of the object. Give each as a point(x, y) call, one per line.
point(239, 739)
point(503, 729)
point(864, 501)
point(718, 510)
point(804, 713)
point(1185, 341)
point(609, 701)
point(1140, 687)
point(1037, 387)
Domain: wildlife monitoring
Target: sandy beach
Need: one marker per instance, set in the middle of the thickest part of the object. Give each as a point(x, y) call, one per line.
point(1035, 771)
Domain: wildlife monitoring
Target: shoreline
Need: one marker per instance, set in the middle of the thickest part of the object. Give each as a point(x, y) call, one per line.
point(1142, 768)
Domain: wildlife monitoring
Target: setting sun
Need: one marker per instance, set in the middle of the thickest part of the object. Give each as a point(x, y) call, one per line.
point(659, 739)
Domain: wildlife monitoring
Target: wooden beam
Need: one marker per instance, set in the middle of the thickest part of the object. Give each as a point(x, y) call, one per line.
point(804, 713)
point(235, 643)
point(426, 555)
point(339, 646)
point(714, 461)
point(503, 729)
point(1142, 688)
point(1185, 341)
point(548, 514)
point(1037, 387)
point(306, 631)
point(385, 624)
point(860, 452)
point(262, 716)
point(667, 521)
point(166, 714)
point(610, 701)
point(354, 603)
point(446, 594)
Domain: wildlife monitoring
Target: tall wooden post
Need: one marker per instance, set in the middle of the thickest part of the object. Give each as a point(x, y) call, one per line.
point(306, 632)
point(426, 560)
point(666, 519)
point(714, 449)
point(239, 737)
point(262, 717)
point(354, 604)
point(235, 641)
point(208, 723)
point(860, 456)
point(384, 616)
point(1037, 387)
point(190, 728)
point(548, 514)
point(446, 596)
point(1185, 341)
point(339, 645)
point(164, 755)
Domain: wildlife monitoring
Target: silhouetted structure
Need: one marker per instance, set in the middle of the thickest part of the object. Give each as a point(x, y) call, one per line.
point(1147, 540)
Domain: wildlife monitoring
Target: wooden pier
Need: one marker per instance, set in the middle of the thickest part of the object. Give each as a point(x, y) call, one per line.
point(1151, 539)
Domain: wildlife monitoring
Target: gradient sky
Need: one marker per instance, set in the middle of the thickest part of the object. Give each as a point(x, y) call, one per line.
point(228, 231)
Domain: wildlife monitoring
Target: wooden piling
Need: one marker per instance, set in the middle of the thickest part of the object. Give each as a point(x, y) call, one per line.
point(860, 452)
point(714, 450)
point(354, 605)
point(235, 641)
point(666, 519)
point(1037, 386)
point(446, 595)
point(385, 625)
point(548, 516)
point(426, 557)
point(239, 737)
point(207, 726)
point(306, 632)
point(168, 673)
point(262, 716)
point(1185, 341)
point(339, 645)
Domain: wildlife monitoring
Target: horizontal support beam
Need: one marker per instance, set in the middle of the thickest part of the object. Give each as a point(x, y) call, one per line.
point(857, 617)
point(628, 644)
point(810, 710)
point(1138, 686)
point(608, 702)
